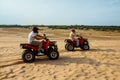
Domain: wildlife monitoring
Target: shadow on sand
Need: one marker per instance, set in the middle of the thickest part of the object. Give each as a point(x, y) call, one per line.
point(92, 50)
point(11, 63)
point(63, 60)
point(103, 50)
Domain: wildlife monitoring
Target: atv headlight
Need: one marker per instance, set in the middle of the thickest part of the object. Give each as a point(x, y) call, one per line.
point(55, 47)
point(85, 42)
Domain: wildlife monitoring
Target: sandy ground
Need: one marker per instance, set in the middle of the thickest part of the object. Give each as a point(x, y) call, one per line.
point(101, 62)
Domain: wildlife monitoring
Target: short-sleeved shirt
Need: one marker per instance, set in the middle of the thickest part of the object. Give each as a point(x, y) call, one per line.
point(72, 35)
point(31, 37)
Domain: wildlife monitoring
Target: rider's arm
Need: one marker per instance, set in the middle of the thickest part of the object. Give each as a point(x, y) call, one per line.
point(77, 35)
point(38, 37)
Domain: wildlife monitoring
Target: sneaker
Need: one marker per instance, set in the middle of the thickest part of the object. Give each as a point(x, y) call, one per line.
point(40, 53)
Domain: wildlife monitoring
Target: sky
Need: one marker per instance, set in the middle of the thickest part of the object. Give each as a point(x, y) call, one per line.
point(60, 12)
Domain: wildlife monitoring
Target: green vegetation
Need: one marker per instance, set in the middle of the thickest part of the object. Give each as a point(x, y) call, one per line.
point(86, 27)
point(82, 27)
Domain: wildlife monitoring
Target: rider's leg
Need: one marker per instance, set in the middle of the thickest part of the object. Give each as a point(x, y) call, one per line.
point(77, 40)
point(40, 46)
point(37, 43)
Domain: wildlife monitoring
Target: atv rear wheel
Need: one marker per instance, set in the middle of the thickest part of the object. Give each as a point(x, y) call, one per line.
point(53, 54)
point(66, 45)
point(70, 47)
point(28, 56)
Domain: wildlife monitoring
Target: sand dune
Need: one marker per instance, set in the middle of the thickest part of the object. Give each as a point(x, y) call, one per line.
point(101, 62)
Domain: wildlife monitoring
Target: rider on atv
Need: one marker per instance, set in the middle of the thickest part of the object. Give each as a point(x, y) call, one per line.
point(73, 35)
point(33, 36)
point(74, 42)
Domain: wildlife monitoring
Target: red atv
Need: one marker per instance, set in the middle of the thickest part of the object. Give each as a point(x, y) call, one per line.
point(49, 48)
point(71, 44)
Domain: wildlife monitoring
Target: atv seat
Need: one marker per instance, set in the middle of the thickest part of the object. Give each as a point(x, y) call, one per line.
point(27, 44)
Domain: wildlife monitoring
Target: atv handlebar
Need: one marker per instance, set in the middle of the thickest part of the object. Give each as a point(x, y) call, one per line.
point(45, 37)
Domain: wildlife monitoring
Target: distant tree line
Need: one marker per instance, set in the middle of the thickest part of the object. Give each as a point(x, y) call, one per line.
point(16, 26)
point(87, 27)
point(81, 27)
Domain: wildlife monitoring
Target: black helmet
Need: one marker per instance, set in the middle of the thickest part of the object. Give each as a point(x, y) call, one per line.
point(35, 29)
point(73, 30)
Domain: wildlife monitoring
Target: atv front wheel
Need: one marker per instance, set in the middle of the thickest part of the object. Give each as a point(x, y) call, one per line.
point(53, 54)
point(28, 56)
point(85, 47)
